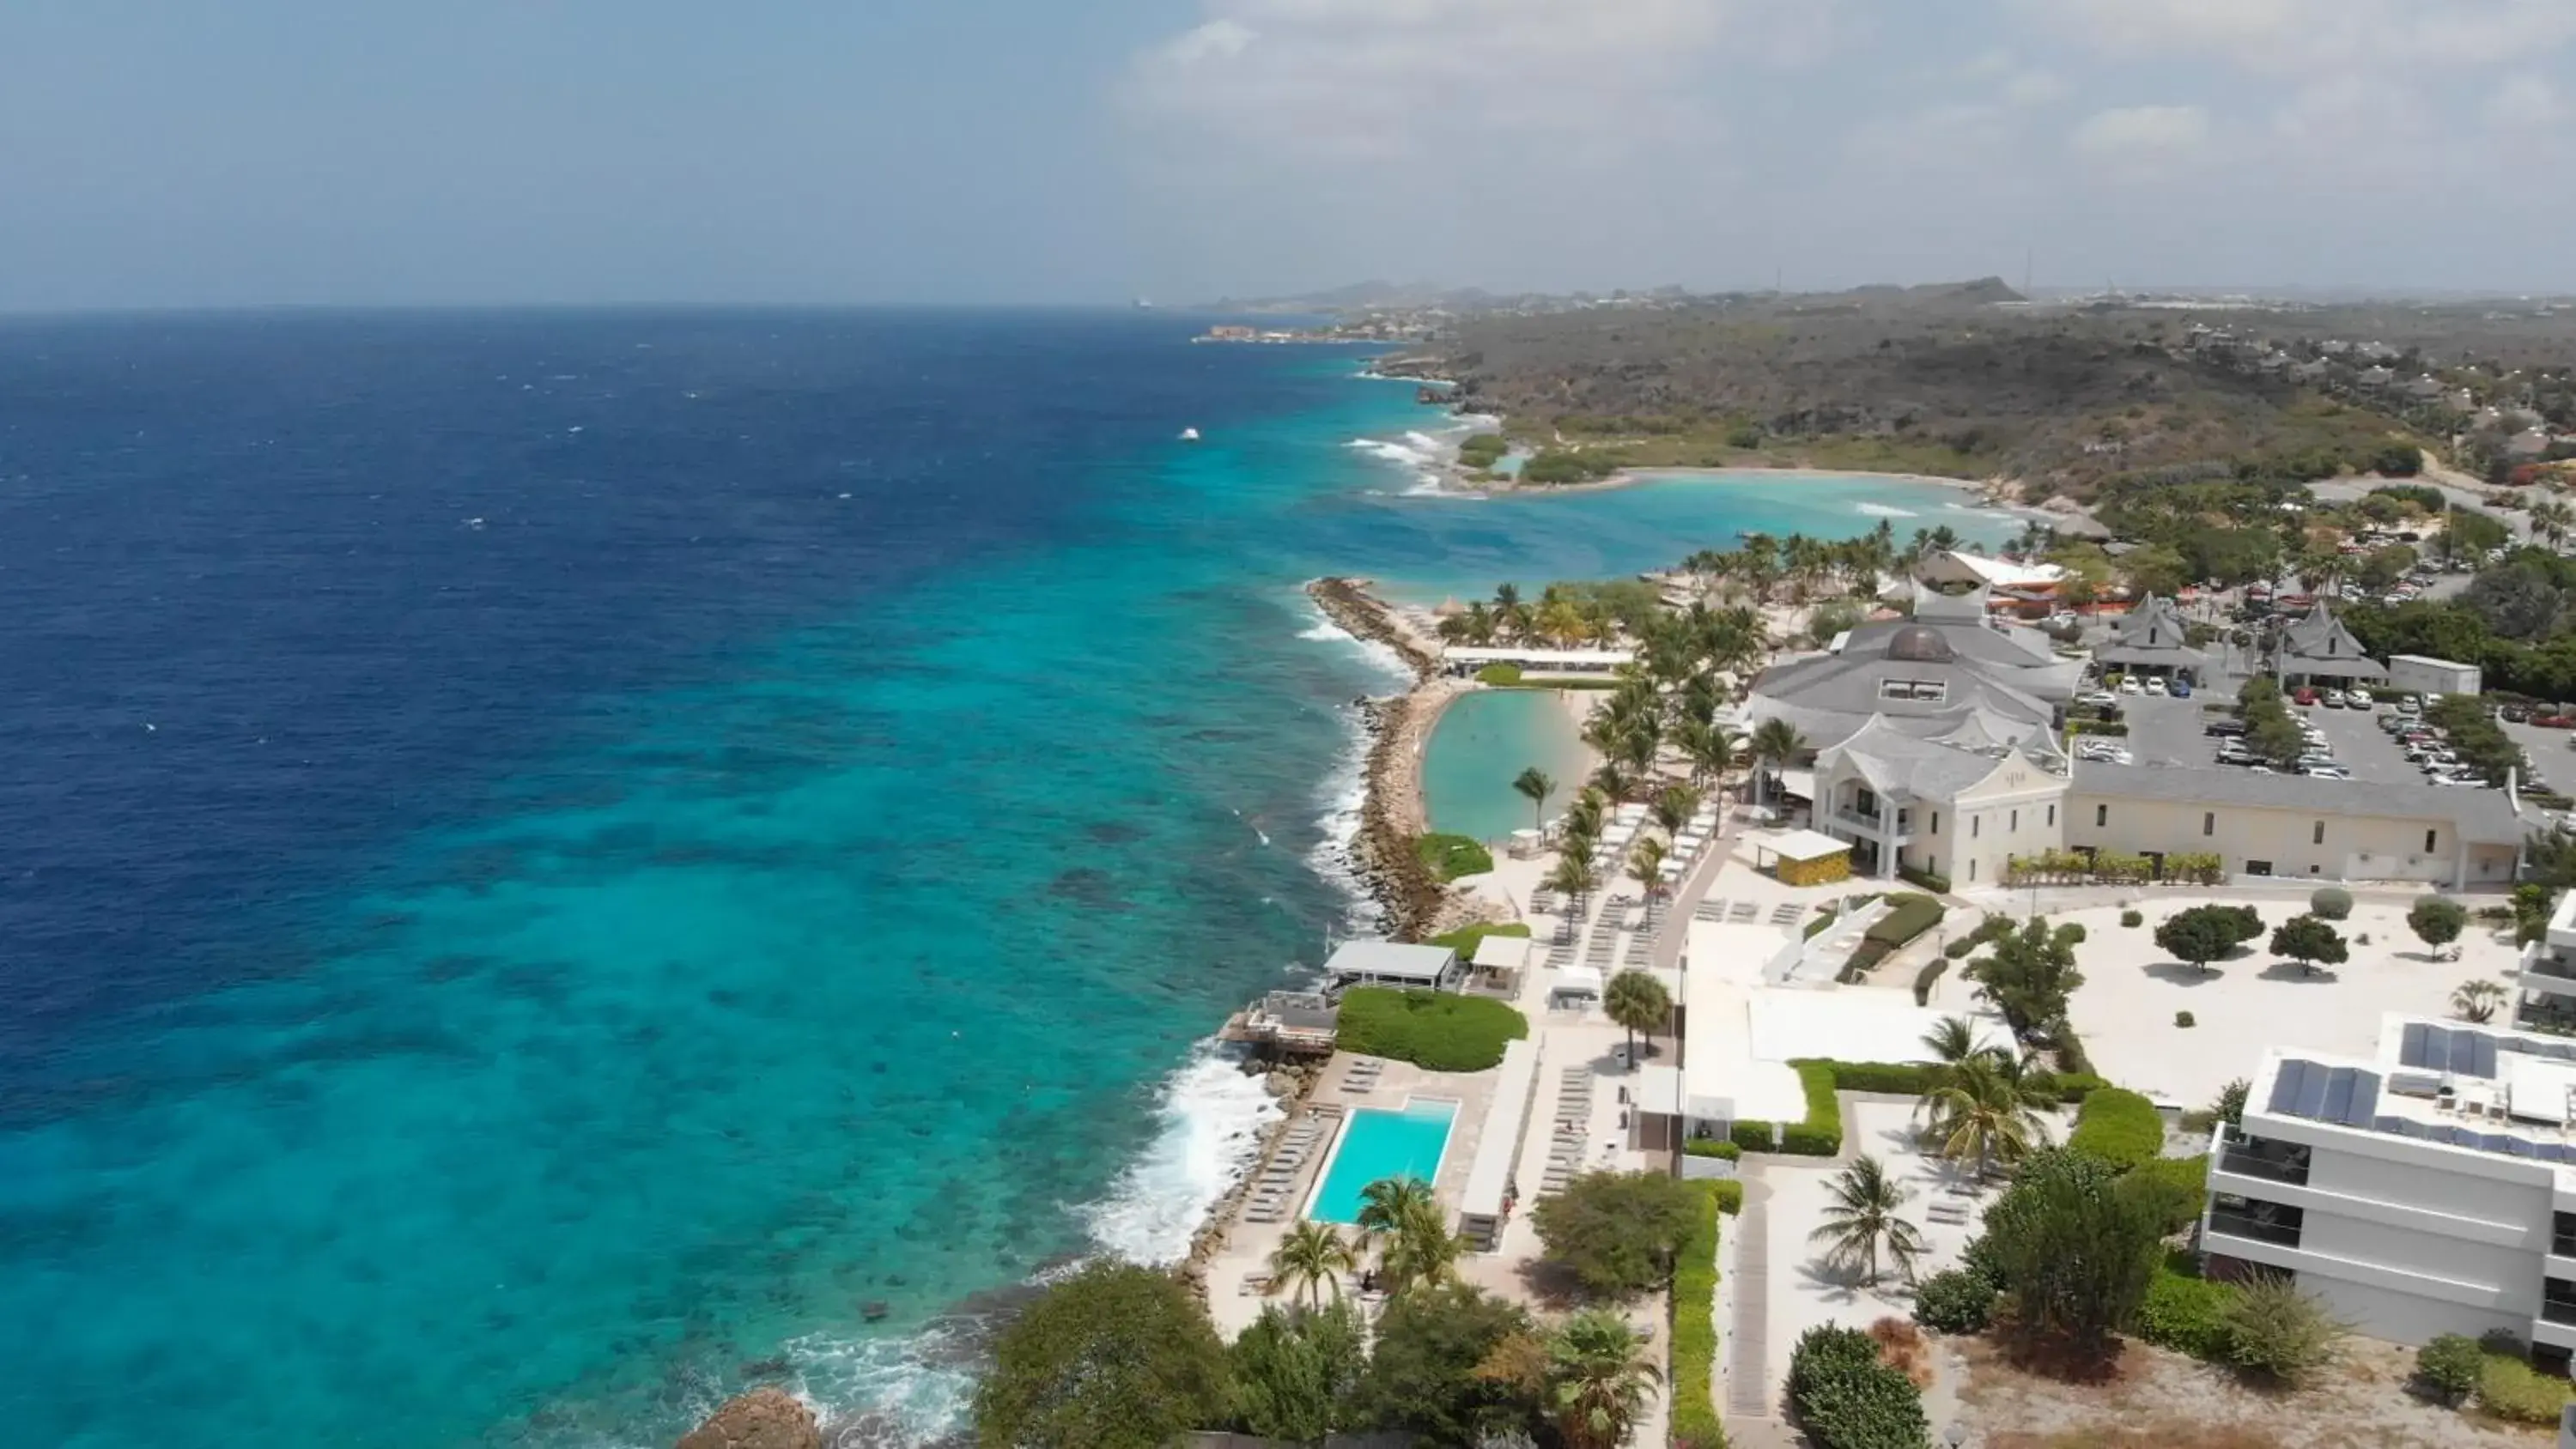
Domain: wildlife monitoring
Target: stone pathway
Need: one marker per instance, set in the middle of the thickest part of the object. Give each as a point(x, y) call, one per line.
point(1747, 1362)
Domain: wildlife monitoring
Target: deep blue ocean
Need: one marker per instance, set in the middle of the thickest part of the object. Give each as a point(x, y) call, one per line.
point(551, 862)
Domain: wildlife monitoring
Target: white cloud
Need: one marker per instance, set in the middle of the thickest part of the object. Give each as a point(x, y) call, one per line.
point(2291, 36)
point(2035, 88)
point(2140, 134)
point(2526, 103)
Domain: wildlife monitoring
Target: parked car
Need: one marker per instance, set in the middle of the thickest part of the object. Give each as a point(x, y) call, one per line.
point(2357, 699)
point(2224, 728)
point(2556, 721)
point(2099, 699)
point(2155, 685)
point(2325, 772)
point(2303, 695)
point(2129, 685)
point(2333, 699)
point(2409, 706)
point(2181, 689)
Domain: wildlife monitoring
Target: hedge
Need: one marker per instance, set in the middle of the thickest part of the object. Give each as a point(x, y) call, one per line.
point(1821, 1134)
point(1730, 1195)
point(1929, 977)
point(2185, 1312)
point(1695, 1423)
point(1938, 885)
point(2120, 1127)
point(1435, 1030)
point(2114, 728)
point(1752, 1134)
point(2512, 1389)
point(1717, 1147)
point(1910, 916)
point(1452, 856)
point(2177, 1187)
point(1500, 674)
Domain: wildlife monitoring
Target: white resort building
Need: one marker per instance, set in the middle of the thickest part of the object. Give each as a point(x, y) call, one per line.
point(2428, 1189)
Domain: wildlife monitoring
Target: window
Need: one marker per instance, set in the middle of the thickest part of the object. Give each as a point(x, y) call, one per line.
point(2562, 1234)
point(2429, 837)
point(2015, 827)
point(2101, 816)
point(1972, 870)
point(1976, 826)
point(2052, 815)
point(2258, 867)
point(1936, 822)
point(2318, 836)
point(2558, 1300)
point(2209, 822)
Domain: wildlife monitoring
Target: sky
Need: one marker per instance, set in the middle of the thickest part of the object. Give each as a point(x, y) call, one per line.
point(258, 152)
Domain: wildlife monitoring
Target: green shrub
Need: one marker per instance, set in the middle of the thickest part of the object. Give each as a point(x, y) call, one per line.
point(2185, 1020)
point(2118, 1126)
point(1818, 926)
point(2175, 1189)
point(1846, 1397)
point(1717, 1147)
point(1695, 1326)
point(1482, 450)
point(2070, 1052)
point(1618, 1233)
point(1730, 1196)
point(1939, 885)
point(1903, 1079)
point(1453, 856)
point(2511, 1389)
point(1435, 1030)
point(2065, 1087)
point(2279, 1332)
point(1959, 949)
point(1909, 916)
point(2448, 1368)
point(1501, 675)
point(2073, 932)
point(1954, 1300)
point(2115, 728)
point(1864, 956)
point(2185, 1313)
point(1821, 1135)
point(1927, 978)
point(1752, 1134)
point(1466, 939)
point(2332, 904)
point(2132, 919)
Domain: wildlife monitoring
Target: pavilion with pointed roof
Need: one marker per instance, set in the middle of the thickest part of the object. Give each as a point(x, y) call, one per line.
point(2320, 650)
point(2154, 639)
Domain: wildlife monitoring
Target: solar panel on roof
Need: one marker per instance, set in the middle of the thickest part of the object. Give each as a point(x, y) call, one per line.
point(2365, 1099)
point(2493, 1142)
point(2522, 1147)
point(2553, 1152)
point(2409, 1127)
point(2335, 1103)
point(2286, 1084)
point(2482, 1053)
point(2312, 1091)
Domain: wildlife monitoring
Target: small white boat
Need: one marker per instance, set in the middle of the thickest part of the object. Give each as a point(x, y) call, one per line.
point(1189, 435)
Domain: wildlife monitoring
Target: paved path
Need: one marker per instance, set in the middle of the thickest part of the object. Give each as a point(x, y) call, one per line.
point(1748, 1359)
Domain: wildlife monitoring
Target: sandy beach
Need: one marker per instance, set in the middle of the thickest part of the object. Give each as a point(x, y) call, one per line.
point(1631, 477)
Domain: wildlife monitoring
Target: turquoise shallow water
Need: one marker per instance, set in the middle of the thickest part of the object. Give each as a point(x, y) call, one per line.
point(1483, 742)
point(1377, 1145)
point(659, 835)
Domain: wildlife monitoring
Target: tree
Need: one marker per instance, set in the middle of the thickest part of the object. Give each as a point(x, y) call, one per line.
point(2203, 934)
point(1638, 1002)
point(1618, 1232)
point(2275, 1330)
point(1600, 1374)
point(1952, 1040)
point(1116, 1356)
point(1860, 1218)
point(1674, 805)
point(1776, 742)
point(1410, 1232)
point(2437, 922)
point(2075, 1252)
point(1846, 1396)
point(1982, 1110)
point(2230, 1106)
point(2307, 940)
point(1535, 785)
point(2029, 977)
point(1295, 1371)
point(2477, 1000)
point(1646, 868)
point(1422, 1375)
point(1312, 1257)
point(2448, 1368)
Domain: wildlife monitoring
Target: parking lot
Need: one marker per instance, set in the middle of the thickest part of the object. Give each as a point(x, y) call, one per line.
point(2170, 732)
point(2552, 765)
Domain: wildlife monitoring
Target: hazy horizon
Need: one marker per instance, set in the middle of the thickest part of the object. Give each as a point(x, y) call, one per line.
point(1001, 152)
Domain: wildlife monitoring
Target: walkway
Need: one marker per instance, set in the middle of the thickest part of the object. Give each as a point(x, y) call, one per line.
point(1747, 1363)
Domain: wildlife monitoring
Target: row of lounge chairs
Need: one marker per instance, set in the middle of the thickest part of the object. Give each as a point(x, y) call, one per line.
point(1276, 1183)
point(1718, 908)
point(1363, 1075)
point(1573, 1129)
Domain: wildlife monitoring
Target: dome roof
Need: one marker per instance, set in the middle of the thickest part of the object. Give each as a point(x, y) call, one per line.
point(1920, 645)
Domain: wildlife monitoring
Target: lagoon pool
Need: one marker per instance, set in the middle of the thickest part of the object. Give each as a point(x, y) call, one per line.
point(1378, 1144)
point(1481, 744)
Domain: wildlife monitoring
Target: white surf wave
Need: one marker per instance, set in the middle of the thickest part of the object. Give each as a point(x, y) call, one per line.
point(1381, 654)
point(1210, 1119)
point(1884, 510)
point(922, 1384)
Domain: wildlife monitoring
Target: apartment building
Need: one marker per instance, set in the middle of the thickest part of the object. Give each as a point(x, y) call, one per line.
point(2429, 1189)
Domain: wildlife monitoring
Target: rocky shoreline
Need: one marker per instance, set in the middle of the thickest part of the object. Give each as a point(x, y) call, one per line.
point(1383, 856)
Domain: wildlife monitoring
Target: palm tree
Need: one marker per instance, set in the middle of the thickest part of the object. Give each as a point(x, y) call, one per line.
point(1573, 876)
point(1646, 868)
point(1638, 1002)
point(2477, 1000)
point(1861, 1218)
point(1952, 1040)
point(1313, 1256)
point(1586, 815)
point(1613, 780)
point(1984, 1111)
point(1673, 807)
point(1535, 785)
point(1776, 742)
point(1509, 617)
point(1600, 1376)
point(1402, 1219)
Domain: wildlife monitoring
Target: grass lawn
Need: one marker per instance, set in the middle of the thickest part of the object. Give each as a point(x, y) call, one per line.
point(1431, 1029)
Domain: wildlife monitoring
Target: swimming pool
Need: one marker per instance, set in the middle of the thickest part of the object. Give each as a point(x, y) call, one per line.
point(1378, 1144)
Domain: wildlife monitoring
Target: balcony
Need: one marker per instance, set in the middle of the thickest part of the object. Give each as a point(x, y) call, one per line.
point(1851, 819)
point(2555, 1309)
point(2261, 1224)
point(2543, 969)
point(2243, 1156)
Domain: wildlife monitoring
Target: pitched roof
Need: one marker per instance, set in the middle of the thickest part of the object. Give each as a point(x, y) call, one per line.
point(2483, 817)
point(2321, 642)
point(2154, 633)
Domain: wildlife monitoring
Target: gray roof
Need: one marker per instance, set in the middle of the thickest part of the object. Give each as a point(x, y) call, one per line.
point(1898, 764)
point(1829, 697)
point(2153, 635)
point(2483, 817)
point(2320, 644)
point(1976, 640)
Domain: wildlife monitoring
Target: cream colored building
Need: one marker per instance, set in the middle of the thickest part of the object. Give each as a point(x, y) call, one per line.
point(1958, 807)
point(2293, 826)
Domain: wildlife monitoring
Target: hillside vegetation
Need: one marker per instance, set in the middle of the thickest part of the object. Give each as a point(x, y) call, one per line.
point(1933, 380)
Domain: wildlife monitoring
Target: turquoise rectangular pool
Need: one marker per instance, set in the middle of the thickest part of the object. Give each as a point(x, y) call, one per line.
point(1378, 1144)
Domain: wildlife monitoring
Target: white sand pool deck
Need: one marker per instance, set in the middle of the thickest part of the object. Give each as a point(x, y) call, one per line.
point(2132, 988)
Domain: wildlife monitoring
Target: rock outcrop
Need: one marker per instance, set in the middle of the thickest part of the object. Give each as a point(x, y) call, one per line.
point(760, 1419)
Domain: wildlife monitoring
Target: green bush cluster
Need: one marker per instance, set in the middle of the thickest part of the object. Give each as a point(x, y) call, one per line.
point(1939, 885)
point(2448, 1368)
point(1717, 1147)
point(1908, 916)
point(2331, 904)
point(1959, 949)
point(1500, 675)
point(2185, 1020)
point(2132, 919)
point(1846, 1397)
point(1695, 1420)
point(1730, 1196)
point(2510, 1388)
point(1453, 856)
point(1954, 1300)
point(2175, 1189)
point(1557, 466)
point(2116, 728)
point(1436, 1030)
point(1465, 939)
point(2186, 1313)
point(1929, 977)
point(2120, 1127)
point(1821, 1135)
point(1483, 450)
point(1752, 1134)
